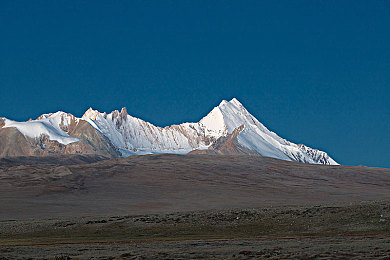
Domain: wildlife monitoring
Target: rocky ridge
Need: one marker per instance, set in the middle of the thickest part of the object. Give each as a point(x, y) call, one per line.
point(228, 129)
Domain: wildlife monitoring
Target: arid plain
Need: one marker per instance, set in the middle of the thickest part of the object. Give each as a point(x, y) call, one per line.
point(191, 206)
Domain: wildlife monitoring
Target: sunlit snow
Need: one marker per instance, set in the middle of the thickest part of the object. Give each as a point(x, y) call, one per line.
point(131, 135)
point(49, 126)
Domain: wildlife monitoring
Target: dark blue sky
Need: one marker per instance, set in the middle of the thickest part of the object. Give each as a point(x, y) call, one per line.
point(315, 72)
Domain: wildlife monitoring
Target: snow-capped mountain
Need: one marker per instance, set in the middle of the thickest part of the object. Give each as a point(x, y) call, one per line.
point(130, 135)
point(255, 136)
point(55, 126)
point(54, 133)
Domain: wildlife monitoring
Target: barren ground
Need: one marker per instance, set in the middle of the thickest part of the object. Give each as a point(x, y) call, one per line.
point(173, 206)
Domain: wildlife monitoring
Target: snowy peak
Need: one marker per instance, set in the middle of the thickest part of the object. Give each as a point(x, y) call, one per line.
point(53, 125)
point(224, 118)
point(230, 115)
point(229, 124)
point(214, 123)
point(132, 135)
point(65, 121)
point(235, 114)
point(91, 114)
point(236, 103)
point(124, 113)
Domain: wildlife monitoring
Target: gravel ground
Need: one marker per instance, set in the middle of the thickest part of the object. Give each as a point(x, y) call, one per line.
point(336, 231)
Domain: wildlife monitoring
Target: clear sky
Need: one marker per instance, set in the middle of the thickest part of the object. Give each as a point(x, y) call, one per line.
point(315, 72)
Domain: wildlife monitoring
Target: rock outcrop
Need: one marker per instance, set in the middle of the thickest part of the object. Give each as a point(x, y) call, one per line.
point(227, 145)
point(90, 141)
point(228, 129)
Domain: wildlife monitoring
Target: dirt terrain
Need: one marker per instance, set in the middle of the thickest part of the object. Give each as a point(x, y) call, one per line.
point(70, 186)
point(337, 231)
point(191, 206)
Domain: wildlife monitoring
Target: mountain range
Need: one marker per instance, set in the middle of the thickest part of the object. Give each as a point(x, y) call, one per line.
point(228, 129)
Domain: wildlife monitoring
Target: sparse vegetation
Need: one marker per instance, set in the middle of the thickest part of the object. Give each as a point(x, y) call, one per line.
point(268, 232)
point(226, 207)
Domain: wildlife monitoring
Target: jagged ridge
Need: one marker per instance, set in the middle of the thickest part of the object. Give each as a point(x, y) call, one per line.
point(228, 128)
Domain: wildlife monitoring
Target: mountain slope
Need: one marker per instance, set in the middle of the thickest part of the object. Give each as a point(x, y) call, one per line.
point(132, 135)
point(50, 125)
point(57, 133)
point(135, 136)
point(255, 136)
point(227, 145)
point(228, 129)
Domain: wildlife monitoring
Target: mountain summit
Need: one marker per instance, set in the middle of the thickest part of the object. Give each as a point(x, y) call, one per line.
point(228, 129)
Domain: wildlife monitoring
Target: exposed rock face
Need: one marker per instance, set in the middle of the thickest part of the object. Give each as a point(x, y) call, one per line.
point(227, 145)
point(91, 142)
point(134, 136)
point(90, 113)
point(14, 143)
point(124, 113)
point(66, 121)
point(228, 129)
point(2, 123)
